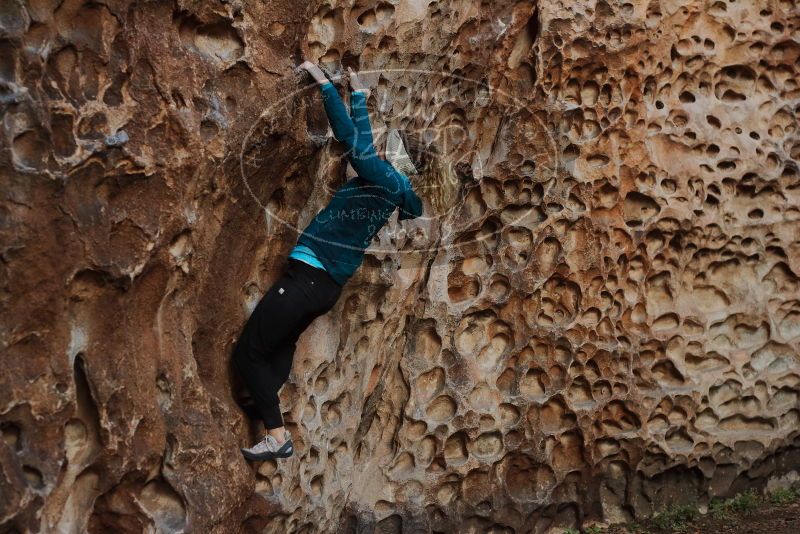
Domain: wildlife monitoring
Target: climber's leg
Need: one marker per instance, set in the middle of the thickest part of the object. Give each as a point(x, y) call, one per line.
point(264, 374)
point(274, 325)
point(264, 352)
point(266, 379)
point(322, 292)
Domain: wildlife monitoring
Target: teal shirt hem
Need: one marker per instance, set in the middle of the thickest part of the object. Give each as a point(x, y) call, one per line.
point(306, 255)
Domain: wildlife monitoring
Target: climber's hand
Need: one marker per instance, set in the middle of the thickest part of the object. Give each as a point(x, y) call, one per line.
point(356, 83)
point(314, 71)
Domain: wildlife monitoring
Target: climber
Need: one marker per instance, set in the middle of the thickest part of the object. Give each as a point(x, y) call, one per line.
point(327, 253)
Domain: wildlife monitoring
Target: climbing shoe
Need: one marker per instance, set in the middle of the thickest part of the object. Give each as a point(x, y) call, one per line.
point(269, 449)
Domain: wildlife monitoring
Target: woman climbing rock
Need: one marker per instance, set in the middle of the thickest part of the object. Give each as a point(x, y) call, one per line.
point(327, 253)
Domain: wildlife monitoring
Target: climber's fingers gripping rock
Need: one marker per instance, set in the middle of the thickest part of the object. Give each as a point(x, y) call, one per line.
point(356, 84)
point(314, 71)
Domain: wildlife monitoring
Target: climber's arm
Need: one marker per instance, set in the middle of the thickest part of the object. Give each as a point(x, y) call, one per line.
point(360, 116)
point(364, 158)
point(358, 110)
point(362, 155)
point(411, 206)
point(360, 151)
point(343, 128)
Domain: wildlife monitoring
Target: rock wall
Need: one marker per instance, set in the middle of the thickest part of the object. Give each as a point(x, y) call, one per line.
point(604, 322)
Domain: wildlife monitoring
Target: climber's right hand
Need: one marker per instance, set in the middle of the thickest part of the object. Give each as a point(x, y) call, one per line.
point(356, 83)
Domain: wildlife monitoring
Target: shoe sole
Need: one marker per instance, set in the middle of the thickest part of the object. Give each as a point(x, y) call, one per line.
point(260, 457)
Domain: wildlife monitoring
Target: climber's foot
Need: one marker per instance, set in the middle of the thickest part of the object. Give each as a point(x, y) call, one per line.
point(269, 448)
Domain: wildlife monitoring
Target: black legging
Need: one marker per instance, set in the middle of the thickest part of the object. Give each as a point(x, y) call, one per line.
point(264, 351)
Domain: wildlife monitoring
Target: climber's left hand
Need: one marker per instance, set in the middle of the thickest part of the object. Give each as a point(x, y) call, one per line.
point(314, 71)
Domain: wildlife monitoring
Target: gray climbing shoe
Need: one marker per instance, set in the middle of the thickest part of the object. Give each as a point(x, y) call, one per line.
point(268, 448)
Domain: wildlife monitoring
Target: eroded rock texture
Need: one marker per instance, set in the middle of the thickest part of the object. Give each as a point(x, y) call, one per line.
point(606, 321)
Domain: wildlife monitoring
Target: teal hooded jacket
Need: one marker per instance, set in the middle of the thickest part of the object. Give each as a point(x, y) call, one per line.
point(342, 230)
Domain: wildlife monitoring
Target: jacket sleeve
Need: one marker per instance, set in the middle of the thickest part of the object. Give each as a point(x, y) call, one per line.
point(360, 150)
point(411, 206)
point(343, 128)
point(360, 116)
